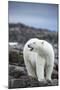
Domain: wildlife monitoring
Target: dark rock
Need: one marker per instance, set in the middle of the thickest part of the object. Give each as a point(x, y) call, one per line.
point(25, 33)
point(56, 64)
point(55, 82)
point(54, 74)
point(16, 71)
point(18, 78)
point(26, 81)
point(15, 57)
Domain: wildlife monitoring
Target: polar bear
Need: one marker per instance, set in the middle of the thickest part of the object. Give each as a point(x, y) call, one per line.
point(39, 58)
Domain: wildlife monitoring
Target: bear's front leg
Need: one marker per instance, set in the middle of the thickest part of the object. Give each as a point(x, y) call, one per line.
point(30, 69)
point(40, 63)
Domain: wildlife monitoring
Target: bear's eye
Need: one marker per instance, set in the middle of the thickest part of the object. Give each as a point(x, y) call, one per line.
point(33, 42)
point(42, 42)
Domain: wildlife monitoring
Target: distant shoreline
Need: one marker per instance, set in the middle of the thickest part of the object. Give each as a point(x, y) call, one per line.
point(17, 24)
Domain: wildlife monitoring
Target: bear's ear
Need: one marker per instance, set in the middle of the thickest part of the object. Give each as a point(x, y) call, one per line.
point(42, 42)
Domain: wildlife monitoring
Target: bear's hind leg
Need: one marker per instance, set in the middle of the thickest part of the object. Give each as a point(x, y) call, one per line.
point(49, 70)
point(40, 64)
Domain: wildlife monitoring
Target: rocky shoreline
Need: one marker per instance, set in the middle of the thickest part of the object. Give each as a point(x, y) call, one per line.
point(18, 77)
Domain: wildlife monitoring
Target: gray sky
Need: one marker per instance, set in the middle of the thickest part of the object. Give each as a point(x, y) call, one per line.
point(35, 15)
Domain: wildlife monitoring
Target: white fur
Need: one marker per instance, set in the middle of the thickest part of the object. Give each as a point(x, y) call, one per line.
point(40, 58)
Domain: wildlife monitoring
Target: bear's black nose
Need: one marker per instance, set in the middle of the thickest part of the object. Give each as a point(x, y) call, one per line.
point(28, 45)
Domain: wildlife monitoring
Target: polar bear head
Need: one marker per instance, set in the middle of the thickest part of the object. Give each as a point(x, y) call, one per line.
point(39, 46)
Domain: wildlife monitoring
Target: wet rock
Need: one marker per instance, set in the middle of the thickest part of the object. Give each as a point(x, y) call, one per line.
point(18, 78)
point(26, 81)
